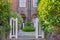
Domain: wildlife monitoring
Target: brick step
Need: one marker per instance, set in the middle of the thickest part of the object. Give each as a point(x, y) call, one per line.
point(27, 39)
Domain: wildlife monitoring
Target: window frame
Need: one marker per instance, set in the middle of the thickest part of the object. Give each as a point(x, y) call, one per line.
point(34, 3)
point(20, 2)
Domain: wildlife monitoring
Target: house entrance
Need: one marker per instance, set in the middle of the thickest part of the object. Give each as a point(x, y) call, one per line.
point(15, 33)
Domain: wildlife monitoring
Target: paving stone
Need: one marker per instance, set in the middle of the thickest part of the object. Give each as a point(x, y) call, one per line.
point(26, 36)
point(28, 39)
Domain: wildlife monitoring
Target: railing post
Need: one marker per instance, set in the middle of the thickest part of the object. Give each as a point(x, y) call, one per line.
point(36, 26)
point(36, 31)
point(42, 34)
point(23, 25)
point(16, 27)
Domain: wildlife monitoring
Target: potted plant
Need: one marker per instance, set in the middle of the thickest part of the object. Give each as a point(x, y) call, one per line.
point(49, 15)
point(29, 27)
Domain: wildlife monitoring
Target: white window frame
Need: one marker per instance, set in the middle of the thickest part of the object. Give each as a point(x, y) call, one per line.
point(21, 2)
point(34, 4)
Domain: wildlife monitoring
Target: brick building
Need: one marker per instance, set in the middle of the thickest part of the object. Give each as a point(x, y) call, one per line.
point(27, 8)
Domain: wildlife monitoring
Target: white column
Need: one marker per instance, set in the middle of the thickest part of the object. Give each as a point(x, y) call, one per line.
point(36, 21)
point(36, 31)
point(16, 27)
point(23, 25)
point(36, 26)
point(42, 34)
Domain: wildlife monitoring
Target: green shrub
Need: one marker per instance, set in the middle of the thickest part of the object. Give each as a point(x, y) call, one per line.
point(16, 15)
point(4, 16)
point(48, 11)
point(28, 29)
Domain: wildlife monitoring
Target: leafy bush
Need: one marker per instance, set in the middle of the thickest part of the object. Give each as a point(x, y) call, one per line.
point(28, 29)
point(49, 14)
point(16, 15)
point(1, 30)
point(4, 15)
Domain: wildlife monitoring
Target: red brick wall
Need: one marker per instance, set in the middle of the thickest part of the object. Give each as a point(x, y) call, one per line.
point(14, 5)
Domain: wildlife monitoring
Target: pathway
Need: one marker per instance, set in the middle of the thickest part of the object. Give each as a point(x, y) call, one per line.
point(22, 34)
point(28, 39)
point(26, 36)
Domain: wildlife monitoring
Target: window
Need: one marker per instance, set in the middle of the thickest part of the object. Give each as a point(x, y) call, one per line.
point(22, 3)
point(34, 3)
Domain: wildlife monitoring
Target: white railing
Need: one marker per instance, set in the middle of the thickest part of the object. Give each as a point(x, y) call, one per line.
point(14, 27)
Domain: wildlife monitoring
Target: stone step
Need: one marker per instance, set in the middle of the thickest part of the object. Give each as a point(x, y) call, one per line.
point(27, 39)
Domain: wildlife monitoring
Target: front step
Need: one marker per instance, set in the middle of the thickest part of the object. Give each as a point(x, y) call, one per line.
point(27, 39)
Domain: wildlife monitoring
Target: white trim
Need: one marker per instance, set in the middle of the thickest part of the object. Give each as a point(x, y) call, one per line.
point(12, 26)
point(23, 25)
point(16, 27)
point(42, 34)
point(21, 5)
point(33, 3)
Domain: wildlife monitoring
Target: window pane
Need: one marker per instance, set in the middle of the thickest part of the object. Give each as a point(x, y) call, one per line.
point(35, 3)
point(22, 0)
point(22, 3)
